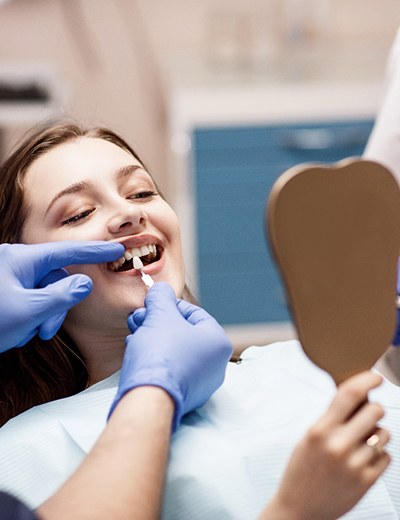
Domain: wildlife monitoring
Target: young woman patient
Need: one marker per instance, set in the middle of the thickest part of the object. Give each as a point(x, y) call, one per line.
point(228, 458)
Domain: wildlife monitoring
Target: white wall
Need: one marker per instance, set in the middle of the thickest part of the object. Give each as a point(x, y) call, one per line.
point(103, 56)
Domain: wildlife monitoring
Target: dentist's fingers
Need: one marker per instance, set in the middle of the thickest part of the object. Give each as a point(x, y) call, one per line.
point(136, 319)
point(48, 306)
point(52, 277)
point(192, 313)
point(32, 333)
point(60, 254)
point(57, 298)
point(161, 295)
point(160, 299)
point(51, 326)
point(55, 255)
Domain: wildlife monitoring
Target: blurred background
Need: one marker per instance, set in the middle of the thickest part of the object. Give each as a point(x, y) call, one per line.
point(218, 97)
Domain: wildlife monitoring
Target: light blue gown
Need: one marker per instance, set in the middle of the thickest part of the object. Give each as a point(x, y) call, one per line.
point(226, 458)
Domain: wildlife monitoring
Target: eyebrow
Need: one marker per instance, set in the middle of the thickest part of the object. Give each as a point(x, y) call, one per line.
point(127, 170)
point(85, 185)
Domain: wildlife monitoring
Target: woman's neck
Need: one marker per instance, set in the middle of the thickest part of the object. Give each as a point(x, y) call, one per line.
point(389, 365)
point(102, 353)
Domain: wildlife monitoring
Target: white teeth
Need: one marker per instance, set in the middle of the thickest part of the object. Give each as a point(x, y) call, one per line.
point(137, 263)
point(128, 255)
point(135, 253)
point(143, 250)
point(118, 263)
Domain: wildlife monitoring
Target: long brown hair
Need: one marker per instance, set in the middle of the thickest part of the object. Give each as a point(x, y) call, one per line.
point(41, 371)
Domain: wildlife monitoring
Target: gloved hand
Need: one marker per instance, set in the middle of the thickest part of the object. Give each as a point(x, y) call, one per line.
point(36, 293)
point(396, 339)
point(177, 346)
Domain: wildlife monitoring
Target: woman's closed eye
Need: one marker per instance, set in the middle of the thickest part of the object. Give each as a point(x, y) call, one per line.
point(80, 216)
point(145, 194)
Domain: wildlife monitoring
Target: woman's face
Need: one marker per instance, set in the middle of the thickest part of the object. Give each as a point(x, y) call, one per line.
point(90, 189)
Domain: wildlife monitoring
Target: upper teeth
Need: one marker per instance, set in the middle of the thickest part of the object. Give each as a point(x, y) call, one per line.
point(136, 251)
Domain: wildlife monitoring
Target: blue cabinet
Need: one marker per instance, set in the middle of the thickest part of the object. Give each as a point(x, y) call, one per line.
point(234, 170)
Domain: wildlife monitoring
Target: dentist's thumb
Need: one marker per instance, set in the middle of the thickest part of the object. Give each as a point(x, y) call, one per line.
point(160, 303)
point(56, 299)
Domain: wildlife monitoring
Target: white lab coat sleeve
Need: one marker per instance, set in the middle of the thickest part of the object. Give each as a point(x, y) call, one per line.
point(384, 143)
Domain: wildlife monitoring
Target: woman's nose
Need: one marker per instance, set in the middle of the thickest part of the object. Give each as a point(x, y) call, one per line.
point(127, 217)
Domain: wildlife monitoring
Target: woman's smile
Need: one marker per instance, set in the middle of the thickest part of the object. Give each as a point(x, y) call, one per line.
point(148, 248)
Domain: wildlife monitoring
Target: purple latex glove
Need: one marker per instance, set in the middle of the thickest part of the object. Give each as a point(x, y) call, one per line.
point(36, 292)
point(177, 346)
point(396, 339)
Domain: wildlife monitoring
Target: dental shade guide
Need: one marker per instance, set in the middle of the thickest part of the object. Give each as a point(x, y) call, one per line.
point(147, 279)
point(335, 234)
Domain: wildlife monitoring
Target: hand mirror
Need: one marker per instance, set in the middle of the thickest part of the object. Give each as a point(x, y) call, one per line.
point(335, 234)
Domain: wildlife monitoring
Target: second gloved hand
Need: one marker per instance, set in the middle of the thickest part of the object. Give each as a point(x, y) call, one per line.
point(178, 347)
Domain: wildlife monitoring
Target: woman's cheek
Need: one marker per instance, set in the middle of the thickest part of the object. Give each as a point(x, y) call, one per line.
point(88, 270)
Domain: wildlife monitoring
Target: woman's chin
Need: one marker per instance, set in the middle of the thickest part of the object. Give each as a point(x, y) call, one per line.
point(103, 320)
